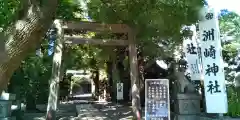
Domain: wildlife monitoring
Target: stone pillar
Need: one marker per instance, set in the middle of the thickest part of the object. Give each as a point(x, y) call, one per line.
point(5, 106)
point(93, 88)
point(187, 106)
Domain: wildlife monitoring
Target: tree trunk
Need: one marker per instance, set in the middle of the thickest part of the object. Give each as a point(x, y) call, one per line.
point(110, 80)
point(63, 90)
point(31, 103)
point(56, 74)
point(141, 79)
point(115, 79)
point(61, 76)
point(135, 91)
point(25, 34)
point(96, 82)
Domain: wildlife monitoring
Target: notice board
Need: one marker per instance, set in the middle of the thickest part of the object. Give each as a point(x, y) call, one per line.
point(157, 105)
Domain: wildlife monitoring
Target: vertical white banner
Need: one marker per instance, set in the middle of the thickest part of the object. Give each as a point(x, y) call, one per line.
point(191, 51)
point(213, 67)
point(119, 91)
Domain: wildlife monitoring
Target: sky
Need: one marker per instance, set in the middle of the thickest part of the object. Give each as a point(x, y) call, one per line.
point(231, 5)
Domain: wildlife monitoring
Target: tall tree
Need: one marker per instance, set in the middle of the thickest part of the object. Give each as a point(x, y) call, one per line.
point(23, 24)
point(31, 19)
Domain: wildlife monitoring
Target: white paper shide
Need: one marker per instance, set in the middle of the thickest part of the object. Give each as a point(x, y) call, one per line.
point(213, 67)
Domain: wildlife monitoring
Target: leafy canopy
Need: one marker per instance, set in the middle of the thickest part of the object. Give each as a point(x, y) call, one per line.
point(155, 21)
point(150, 18)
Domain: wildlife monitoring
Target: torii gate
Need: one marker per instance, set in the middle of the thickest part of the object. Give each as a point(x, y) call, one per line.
point(94, 27)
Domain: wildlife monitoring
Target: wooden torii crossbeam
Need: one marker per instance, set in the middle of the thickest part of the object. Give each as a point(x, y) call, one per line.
point(95, 27)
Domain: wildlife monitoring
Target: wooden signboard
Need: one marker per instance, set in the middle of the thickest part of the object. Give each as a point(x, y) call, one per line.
point(157, 105)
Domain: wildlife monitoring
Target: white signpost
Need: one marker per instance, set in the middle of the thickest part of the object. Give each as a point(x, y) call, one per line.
point(119, 91)
point(213, 67)
point(191, 51)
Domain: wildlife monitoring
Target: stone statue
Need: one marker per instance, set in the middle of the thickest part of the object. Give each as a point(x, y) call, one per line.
point(182, 83)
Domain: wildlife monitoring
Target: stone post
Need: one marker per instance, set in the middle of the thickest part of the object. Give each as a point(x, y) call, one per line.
point(5, 106)
point(187, 106)
point(93, 91)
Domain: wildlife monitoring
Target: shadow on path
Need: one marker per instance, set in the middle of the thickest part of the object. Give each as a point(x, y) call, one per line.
point(101, 111)
point(64, 112)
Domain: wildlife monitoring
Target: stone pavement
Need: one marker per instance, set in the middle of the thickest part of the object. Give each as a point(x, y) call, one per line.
point(64, 112)
point(89, 112)
point(99, 111)
point(85, 111)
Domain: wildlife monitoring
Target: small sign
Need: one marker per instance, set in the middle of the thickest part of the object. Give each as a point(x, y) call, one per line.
point(157, 105)
point(119, 91)
point(213, 65)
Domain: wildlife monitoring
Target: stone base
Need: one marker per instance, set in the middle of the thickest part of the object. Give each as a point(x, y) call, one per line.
point(5, 108)
point(186, 117)
point(187, 104)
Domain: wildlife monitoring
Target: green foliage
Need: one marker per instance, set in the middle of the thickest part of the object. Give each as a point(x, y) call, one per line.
point(233, 101)
point(31, 78)
point(229, 51)
point(149, 18)
point(69, 10)
point(230, 26)
point(8, 9)
point(155, 21)
point(84, 57)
